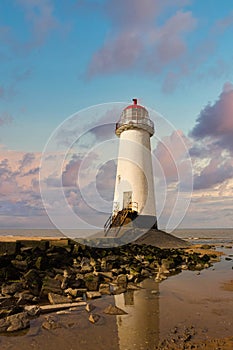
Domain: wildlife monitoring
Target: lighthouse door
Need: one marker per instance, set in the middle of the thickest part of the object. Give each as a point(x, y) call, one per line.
point(127, 199)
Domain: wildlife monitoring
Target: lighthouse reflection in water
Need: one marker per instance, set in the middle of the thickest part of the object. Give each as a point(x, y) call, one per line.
point(139, 329)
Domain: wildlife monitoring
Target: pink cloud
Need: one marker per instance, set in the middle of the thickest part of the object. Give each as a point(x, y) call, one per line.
point(216, 120)
point(122, 51)
point(213, 135)
point(171, 44)
point(138, 41)
point(216, 172)
point(171, 154)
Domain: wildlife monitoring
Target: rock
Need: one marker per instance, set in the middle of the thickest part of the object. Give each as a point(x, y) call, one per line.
point(155, 292)
point(9, 310)
point(206, 246)
point(57, 298)
point(199, 267)
point(104, 288)
point(131, 286)
point(8, 248)
point(80, 298)
point(118, 290)
point(160, 277)
point(17, 322)
point(41, 263)
point(51, 285)
point(72, 292)
point(87, 269)
point(51, 323)
point(89, 307)
point(166, 265)
point(93, 295)
point(75, 292)
point(20, 265)
point(91, 282)
point(122, 280)
point(32, 310)
point(145, 273)
point(25, 297)
point(114, 310)
point(107, 276)
point(93, 318)
point(33, 281)
point(10, 289)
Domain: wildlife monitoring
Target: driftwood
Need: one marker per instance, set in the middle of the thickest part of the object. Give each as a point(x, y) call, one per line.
point(57, 307)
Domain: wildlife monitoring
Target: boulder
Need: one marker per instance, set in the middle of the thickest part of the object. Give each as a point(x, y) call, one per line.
point(51, 323)
point(75, 292)
point(104, 288)
point(115, 289)
point(89, 307)
point(122, 281)
point(91, 282)
point(10, 289)
point(15, 322)
point(57, 298)
point(8, 248)
point(51, 285)
point(114, 310)
point(32, 310)
point(33, 281)
point(41, 263)
point(93, 295)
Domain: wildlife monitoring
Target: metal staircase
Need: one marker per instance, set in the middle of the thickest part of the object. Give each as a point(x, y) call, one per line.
point(116, 221)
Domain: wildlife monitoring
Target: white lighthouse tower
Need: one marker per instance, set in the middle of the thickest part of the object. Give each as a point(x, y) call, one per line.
point(134, 198)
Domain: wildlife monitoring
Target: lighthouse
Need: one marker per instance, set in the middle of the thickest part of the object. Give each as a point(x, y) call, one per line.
point(134, 196)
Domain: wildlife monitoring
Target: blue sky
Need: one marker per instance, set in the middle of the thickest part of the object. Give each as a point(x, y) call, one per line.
point(58, 57)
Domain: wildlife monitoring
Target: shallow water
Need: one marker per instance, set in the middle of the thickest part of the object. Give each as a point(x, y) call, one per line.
point(188, 299)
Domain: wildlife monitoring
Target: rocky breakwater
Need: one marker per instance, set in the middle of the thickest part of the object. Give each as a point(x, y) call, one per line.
point(43, 278)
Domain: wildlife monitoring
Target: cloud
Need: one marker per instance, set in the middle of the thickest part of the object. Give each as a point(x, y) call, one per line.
point(40, 15)
point(138, 41)
point(169, 39)
point(27, 159)
point(216, 172)
point(121, 52)
point(32, 171)
point(212, 147)
point(172, 154)
point(70, 174)
point(105, 180)
point(19, 191)
point(215, 121)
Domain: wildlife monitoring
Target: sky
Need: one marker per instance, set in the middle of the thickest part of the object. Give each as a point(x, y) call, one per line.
point(60, 57)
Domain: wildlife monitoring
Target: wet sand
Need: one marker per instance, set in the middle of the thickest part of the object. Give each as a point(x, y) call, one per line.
point(191, 310)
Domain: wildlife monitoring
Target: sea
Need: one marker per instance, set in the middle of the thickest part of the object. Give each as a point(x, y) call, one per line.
point(198, 236)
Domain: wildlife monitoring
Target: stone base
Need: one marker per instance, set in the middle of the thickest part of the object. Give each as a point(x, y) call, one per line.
point(145, 222)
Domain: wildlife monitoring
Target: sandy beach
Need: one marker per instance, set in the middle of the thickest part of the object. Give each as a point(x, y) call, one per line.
point(189, 310)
